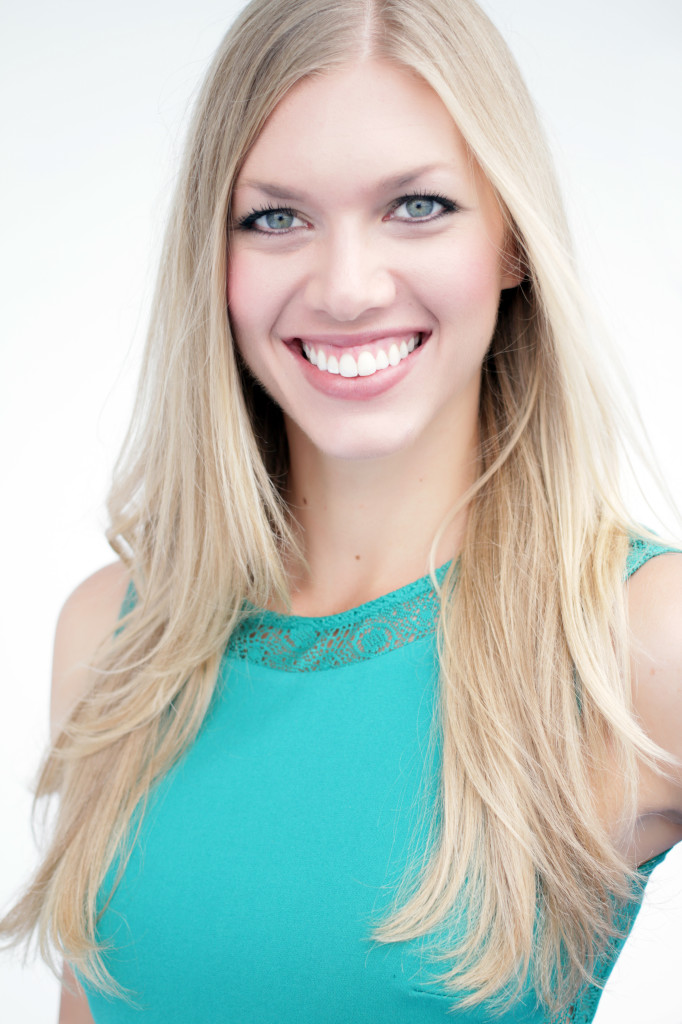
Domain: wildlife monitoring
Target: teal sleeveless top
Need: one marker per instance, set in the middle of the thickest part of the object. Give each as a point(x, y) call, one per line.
point(271, 849)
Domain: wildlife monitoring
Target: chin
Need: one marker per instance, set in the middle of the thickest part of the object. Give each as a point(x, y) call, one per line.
point(362, 445)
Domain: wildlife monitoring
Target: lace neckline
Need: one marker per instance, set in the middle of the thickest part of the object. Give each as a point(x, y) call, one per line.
point(299, 643)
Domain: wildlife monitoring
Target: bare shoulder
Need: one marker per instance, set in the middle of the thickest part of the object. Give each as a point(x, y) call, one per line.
point(88, 616)
point(655, 611)
point(655, 604)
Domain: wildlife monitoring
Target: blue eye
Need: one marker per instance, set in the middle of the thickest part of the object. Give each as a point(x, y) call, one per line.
point(277, 220)
point(271, 222)
point(421, 207)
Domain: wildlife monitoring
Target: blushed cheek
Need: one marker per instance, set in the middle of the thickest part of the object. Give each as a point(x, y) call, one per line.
point(242, 286)
point(258, 293)
point(465, 289)
point(480, 287)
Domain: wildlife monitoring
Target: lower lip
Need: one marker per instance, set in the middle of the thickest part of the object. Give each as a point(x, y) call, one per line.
point(356, 389)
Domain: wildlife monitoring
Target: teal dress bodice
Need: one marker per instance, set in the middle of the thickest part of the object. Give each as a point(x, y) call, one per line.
point(271, 849)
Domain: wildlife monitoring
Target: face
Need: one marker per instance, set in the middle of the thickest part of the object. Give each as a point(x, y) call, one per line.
point(366, 263)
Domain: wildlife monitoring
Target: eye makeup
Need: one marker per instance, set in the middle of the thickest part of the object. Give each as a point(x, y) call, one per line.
point(418, 199)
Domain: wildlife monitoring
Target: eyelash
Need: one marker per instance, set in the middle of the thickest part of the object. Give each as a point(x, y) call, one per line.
point(248, 223)
point(447, 204)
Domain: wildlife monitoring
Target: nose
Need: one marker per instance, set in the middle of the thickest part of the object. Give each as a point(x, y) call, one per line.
point(350, 276)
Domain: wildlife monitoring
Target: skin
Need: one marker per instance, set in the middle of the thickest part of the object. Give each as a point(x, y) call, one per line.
point(371, 480)
point(354, 264)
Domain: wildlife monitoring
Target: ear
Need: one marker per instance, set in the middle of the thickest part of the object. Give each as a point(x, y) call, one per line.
point(514, 265)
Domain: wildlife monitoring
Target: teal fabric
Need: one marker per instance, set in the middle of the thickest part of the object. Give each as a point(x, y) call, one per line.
point(267, 853)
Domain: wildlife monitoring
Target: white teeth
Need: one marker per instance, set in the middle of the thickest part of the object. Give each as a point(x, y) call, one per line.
point(366, 364)
point(347, 365)
point(394, 355)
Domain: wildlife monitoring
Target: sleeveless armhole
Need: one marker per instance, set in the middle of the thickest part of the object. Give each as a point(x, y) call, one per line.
point(641, 550)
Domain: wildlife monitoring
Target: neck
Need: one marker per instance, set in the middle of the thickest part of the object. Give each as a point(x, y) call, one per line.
point(367, 526)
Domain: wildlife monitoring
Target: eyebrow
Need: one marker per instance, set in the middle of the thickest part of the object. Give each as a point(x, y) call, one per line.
point(400, 180)
point(274, 191)
point(395, 181)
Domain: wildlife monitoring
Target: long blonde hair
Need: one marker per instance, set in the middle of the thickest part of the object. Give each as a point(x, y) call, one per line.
point(535, 699)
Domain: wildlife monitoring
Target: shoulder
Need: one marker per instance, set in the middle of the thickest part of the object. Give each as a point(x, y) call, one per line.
point(655, 615)
point(655, 608)
point(87, 618)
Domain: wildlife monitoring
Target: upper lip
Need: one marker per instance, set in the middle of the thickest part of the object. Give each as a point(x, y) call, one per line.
point(361, 338)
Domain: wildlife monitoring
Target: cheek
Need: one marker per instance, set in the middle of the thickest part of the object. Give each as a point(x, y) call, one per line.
point(463, 287)
point(245, 310)
point(259, 288)
point(243, 292)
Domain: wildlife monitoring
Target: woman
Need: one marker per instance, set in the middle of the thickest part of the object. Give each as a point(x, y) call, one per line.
point(301, 769)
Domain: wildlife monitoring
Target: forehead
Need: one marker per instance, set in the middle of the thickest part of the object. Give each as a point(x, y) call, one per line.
point(367, 121)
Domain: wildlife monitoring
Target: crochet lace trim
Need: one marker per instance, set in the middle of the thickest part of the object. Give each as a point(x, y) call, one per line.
point(294, 643)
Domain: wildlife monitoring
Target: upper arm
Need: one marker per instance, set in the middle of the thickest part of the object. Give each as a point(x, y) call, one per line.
point(73, 1008)
point(88, 617)
point(655, 612)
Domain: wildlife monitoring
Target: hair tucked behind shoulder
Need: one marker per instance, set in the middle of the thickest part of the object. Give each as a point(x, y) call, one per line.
point(535, 695)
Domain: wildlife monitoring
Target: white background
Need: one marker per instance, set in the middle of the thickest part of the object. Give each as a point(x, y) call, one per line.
point(94, 101)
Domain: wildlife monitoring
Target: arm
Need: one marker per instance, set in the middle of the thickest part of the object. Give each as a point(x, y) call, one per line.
point(655, 610)
point(73, 1007)
point(87, 618)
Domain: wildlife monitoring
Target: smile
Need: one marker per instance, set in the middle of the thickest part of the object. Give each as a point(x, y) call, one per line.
point(364, 362)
